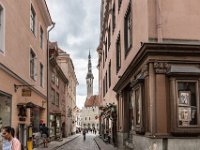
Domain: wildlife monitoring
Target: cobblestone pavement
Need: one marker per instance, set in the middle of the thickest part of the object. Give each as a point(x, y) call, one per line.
point(80, 144)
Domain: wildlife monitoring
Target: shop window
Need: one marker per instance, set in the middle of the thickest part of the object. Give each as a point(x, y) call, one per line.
point(187, 103)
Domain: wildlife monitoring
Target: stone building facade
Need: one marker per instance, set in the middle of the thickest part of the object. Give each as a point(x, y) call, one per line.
point(58, 85)
point(23, 61)
point(153, 50)
point(66, 64)
point(90, 113)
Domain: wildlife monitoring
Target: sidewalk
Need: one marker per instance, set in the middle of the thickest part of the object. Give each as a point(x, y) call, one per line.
point(53, 145)
point(104, 146)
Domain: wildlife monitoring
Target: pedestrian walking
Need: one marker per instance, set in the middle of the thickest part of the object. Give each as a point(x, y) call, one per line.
point(84, 134)
point(45, 134)
point(10, 141)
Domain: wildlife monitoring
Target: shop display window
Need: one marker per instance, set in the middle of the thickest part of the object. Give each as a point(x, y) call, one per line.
point(187, 103)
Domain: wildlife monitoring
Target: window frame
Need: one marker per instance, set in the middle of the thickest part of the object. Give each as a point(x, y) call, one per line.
point(33, 20)
point(41, 37)
point(118, 54)
point(41, 75)
point(174, 95)
point(33, 65)
point(138, 127)
point(113, 18)
point(128, 30)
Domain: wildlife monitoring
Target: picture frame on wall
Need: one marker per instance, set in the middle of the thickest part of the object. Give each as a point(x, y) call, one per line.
point(184, 97)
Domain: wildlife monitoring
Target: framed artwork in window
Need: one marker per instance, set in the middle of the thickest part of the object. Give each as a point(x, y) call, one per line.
point(184, 116)
point(184, 97)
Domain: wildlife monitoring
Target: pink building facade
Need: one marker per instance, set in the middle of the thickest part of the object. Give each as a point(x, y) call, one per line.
point(23, 61)
point(149, 71)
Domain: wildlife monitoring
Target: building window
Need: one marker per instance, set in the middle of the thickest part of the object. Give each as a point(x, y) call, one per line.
point(2, 30)
point(53, 77)
point(106, 48)
point(85, 118)
point(41, 37)
point(32, 65)
point(57, 81)
point(103, 59)
point(52, 96)
point(106, 82)
point(136, 101)
point(128, 31)
point(113, 18)
point(57, 99)
point(41, 75)
point(119, 4)
point(109, 74)
point(104, 87)
point(32, 19)
point(185, 105)
point(118, 54)
point(109, 38)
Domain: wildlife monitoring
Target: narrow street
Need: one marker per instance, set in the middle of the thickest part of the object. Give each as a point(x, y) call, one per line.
point(80, 144)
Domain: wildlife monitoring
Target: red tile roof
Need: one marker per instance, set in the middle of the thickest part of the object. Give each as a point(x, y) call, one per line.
point(92, 101)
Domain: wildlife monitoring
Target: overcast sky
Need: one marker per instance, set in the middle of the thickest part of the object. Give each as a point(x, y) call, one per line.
point(77, 32)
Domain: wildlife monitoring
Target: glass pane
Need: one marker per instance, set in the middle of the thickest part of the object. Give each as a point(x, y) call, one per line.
point(187, 103)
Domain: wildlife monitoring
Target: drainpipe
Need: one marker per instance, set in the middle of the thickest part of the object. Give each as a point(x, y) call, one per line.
point(53, 25)
point(159, 21)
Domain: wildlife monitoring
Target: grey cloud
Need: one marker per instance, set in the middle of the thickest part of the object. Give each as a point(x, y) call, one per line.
point(77, 31)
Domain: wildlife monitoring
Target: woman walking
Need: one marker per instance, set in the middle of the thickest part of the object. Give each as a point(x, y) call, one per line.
point(10, 142)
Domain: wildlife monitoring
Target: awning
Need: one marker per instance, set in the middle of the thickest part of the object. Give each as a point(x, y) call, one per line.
point(184, 69)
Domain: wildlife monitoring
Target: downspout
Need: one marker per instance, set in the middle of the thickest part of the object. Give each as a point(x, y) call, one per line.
point(159, 21)
point(53, 25)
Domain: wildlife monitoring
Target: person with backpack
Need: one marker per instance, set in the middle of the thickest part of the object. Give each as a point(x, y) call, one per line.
point(45, 134)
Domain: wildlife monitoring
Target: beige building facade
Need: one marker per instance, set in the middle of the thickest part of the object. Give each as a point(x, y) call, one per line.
point(149, 71)
point(66, 64)
point(58, 85)
point(23, 61)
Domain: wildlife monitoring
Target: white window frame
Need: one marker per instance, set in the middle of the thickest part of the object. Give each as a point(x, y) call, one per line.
point(33, 20)
point(34, 74)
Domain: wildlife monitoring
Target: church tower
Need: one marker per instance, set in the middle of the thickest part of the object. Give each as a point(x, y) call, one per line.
point(89, 78)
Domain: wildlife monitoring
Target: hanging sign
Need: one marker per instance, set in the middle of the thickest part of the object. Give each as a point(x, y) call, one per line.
point(26, 92)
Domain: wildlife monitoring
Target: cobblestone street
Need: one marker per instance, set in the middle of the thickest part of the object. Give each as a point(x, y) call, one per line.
point(80, 144)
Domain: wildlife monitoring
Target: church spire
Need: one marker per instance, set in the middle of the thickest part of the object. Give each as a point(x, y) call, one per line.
point(89, 78)
point(89, 63)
